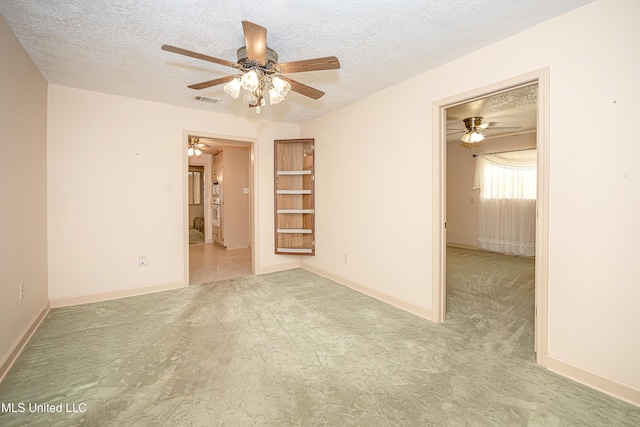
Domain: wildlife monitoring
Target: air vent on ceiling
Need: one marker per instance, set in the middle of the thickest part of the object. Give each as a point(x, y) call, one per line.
point(207, 99)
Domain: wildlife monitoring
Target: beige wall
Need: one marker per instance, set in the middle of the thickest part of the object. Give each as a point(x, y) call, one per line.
point(374, 181)
point(116, 176)
point(462, 199)
point(237, 209)
point(23, 187)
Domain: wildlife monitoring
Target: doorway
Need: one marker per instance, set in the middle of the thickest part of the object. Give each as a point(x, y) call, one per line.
point(213, 260)
point(195, 194)
point(540, 78)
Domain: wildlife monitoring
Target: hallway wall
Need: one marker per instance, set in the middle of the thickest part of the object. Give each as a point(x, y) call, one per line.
point(237, 206)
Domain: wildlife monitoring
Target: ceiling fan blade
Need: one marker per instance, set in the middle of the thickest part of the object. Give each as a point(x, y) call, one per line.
point(303, 89)
point(317, 64)
point(506, 128)
point(255, 38)
point(197, 55)
point(210, 83)
point(492, 124)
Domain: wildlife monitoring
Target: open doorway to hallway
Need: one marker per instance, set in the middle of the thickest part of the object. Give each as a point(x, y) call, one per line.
point(211, 262)
point(226, 251)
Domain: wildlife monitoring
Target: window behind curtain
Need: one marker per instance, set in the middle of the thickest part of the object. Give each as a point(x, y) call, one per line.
point(507, 183)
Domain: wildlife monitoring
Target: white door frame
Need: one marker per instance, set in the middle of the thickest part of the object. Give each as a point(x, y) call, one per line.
point(253, 191)
point(542, 205)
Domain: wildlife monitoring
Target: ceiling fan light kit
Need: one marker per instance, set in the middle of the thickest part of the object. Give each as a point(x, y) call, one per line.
point(250, 81)
point(279, 89)
point(261, 73)
point(233, 87)
point(194, 147)
point(474, 130)
point(472, 137)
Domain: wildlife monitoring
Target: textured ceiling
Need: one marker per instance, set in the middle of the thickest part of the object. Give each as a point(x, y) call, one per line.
point(509, 112)
point(113, 46)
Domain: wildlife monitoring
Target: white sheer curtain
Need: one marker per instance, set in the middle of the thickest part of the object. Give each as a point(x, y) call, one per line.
point(507, 183)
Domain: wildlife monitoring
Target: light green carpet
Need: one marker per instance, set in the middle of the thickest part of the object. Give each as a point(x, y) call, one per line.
point(292, 348)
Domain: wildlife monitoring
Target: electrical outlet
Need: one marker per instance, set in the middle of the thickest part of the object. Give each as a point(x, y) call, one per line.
point(346, 259)
point(21, 291)
point(142, 261)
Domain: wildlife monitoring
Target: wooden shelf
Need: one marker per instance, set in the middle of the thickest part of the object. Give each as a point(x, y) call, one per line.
point(295, 211)
point(286, 173)
point(295, 250)
point(294, 230)
point(293, 191)
point(294, 196)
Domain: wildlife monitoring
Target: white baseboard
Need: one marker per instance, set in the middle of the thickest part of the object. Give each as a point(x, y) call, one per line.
point(17, 347)
point(279, 267)
point(425, 313)
point(594, 380)
point(105, 296)
point(463, 246)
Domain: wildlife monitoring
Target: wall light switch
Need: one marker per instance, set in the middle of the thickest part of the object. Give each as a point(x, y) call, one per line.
point(245, 190)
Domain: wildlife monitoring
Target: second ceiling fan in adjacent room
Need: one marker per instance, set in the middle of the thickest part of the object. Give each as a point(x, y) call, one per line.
point(474, 131)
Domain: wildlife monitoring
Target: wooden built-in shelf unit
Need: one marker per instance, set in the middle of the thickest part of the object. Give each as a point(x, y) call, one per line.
point(294, 196)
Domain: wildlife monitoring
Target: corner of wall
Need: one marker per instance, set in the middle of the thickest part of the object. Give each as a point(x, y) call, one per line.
point(423, 312)
point(14, 351)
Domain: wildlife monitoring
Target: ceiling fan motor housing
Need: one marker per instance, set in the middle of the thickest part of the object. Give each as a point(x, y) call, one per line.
point(245, 62)
point(472, 122)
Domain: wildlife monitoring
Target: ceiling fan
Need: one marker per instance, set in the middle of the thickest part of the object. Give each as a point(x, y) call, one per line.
point(259, 70)
point(474, 131)
point(194, 146)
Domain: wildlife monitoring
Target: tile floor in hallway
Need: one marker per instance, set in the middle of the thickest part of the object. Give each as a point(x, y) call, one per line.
point(210, 263)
